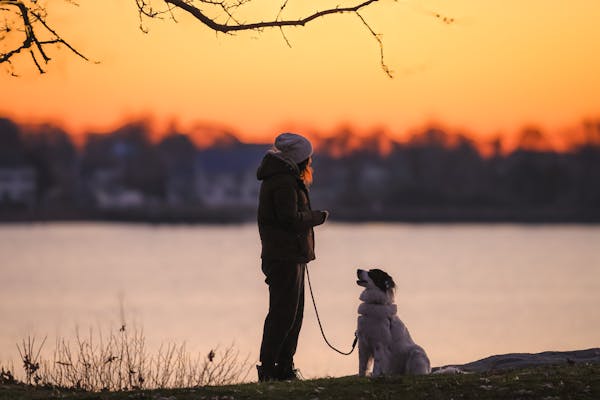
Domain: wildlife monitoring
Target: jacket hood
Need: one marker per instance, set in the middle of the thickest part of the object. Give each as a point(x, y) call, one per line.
point(274, 164)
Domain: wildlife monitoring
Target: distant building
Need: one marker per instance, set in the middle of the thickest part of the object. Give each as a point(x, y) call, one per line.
point(180, 187)
point(226, 177)
point(119, 199)
point(227, 189)
point(110, 194)
point(17, 185)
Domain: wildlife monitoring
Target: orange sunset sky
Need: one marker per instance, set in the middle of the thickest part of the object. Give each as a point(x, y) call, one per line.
point(502, 65)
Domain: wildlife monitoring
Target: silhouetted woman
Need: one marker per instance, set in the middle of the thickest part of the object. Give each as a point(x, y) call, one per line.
point(285, 224)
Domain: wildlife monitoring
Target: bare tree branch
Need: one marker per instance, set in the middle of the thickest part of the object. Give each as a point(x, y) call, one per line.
point(28, 18)
point(285, 37)
point(57, 39)
point(226, 28)
point(283, 6)
point(377, 37)
point(200, 9)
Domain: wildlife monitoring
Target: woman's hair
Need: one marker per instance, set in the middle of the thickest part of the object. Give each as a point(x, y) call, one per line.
point(306, 171)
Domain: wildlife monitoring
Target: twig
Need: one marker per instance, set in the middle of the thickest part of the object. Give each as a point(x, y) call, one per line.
point(377, 37)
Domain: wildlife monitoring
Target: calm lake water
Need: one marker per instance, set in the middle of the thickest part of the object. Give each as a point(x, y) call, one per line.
point(465, 291)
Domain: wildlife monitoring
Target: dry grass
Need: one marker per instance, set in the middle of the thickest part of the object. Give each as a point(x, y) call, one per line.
point(580, 381)
point(120, 360)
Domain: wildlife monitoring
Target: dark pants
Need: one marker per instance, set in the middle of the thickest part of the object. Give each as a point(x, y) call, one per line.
point(286, 309)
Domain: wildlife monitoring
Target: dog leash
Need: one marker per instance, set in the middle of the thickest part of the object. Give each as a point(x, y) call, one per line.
point(321, 326)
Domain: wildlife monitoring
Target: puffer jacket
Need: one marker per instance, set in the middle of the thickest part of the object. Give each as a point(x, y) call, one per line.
point(285, 218)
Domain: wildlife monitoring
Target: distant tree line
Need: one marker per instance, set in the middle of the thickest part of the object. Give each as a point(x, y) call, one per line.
point(433, 176)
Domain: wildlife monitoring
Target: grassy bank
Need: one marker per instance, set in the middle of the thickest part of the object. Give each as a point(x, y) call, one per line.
point(579, 381)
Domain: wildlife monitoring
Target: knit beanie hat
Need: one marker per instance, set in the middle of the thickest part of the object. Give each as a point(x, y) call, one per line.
point(293, 146)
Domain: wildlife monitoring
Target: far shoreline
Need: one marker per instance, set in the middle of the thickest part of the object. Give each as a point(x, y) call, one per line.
point(230, 216)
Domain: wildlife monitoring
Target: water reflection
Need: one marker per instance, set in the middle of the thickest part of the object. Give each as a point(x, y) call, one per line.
point(465, 291)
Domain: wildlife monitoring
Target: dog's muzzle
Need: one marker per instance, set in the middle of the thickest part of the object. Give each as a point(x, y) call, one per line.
point(359, 274)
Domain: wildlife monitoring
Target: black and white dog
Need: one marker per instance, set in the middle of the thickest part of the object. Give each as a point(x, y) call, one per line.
point(383, 339)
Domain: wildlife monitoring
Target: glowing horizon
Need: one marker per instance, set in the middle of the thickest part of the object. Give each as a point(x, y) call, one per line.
point(205, 135)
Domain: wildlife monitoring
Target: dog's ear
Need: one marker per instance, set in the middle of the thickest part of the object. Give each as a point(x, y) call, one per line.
point(381, 279)
point(389, 283)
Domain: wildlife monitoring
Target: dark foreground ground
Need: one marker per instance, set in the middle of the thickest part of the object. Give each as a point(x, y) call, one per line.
point(549, 382)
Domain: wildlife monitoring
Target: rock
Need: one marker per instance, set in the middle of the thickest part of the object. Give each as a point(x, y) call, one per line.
point(524, 360)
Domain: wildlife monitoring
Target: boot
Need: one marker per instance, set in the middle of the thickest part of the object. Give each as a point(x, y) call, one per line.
point(287, 372)
point(266, 373)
